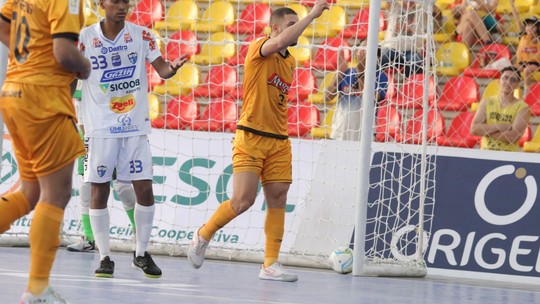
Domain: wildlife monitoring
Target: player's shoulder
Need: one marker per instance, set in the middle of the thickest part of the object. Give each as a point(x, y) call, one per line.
point(135, 29)
point(90, 30)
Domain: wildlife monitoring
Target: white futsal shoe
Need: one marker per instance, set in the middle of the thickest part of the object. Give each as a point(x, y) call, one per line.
point(276, 272)
point(48, 296)
point(196, 250)
point(83, 245)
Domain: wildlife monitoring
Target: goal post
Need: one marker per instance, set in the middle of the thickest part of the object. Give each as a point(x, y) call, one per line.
point(396, 183)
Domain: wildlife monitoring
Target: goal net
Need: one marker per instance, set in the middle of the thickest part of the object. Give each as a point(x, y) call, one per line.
point(194, 117)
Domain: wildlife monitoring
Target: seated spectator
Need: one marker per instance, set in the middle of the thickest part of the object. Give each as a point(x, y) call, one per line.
point(501, 120)
point(476, 22)
point(348, 84)
point(528, 51)
point(403, 43)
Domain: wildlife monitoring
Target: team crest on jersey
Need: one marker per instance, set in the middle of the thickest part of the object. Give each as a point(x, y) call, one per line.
point(146, 36)
point(127, 38)
point(97, 43)
point(101, 170)
point(132, 58)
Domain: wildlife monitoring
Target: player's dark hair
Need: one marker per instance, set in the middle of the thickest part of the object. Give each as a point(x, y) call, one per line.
point(281, 12)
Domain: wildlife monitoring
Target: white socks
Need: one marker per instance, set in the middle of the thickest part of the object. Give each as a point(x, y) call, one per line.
point(100, 220)
point(144, 218)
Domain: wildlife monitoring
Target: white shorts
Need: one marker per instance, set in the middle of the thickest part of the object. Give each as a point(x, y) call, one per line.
point(131, 156)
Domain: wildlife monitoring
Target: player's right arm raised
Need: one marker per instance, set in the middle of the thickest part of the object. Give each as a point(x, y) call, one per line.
point(290, 35)
point(68, 55)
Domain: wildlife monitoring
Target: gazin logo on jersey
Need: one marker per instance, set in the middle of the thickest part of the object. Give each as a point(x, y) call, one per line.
point(118, 74)
point(122, 104)
point(501, 220)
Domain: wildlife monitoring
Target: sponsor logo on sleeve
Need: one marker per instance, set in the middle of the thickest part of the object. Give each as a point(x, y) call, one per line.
point(74, 7)
point(123, 104)
point(151, 41)
point(118, 74)
point(127, 38)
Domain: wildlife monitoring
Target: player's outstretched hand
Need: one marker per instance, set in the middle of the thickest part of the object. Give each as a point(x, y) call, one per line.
point(319, 7)
point(178, 63)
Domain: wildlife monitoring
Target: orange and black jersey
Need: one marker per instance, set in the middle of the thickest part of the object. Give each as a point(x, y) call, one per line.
point(34, 25)
point(266, 86)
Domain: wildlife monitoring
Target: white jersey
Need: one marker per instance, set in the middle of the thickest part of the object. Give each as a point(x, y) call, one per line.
point(115, 96)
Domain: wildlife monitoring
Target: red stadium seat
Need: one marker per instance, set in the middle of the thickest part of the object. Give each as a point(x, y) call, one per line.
point(413, 131)
point(219, 81)
point(495, 51)
point(387, 123)
point(181, 111)
point(237, 92)
point(458, 94)
point(533, 98)
point(411, 93)
point(303, 84)
point(459, 132)
point(527, 136)
point(253, 19)
point(153, 77)
point(217, 117)
point(242, 51)
point(326, 57)
point(146, 12)
point(301, 118)
point(180, 43)
point(359, 26)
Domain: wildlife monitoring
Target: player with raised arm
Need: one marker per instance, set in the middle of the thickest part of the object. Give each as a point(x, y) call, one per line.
point(116, 121)
point(261, 147)
point(39, 114)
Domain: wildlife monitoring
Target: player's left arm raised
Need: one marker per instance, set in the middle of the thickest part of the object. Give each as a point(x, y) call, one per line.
point(167, 69)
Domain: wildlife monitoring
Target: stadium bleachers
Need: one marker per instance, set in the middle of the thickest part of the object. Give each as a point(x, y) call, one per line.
point(216, 33)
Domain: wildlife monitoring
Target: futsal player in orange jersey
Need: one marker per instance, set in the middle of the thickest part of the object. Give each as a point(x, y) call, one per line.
point(38, 111)
point(261, 147)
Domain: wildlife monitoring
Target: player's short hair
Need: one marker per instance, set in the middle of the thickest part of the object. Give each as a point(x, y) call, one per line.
point(512, 69)
point(279, 13)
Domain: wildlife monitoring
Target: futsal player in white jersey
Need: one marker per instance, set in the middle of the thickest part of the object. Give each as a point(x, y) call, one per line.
point(116, 120)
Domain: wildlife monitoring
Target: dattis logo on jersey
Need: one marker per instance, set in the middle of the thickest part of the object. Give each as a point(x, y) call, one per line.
point(118, 74)
point(116, 59)
point(122, 104)
point(96, 43)
point(146, 36)
point(82, 47)
point(279, 83)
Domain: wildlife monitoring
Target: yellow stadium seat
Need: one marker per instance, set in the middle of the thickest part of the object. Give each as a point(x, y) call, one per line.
point(319, 96)
point(453, 58)
point(325, 129)
point(492, 89)
point(187, 78)
point(444, 4)
point(301, 51)
point(155, 106)
point(92, 13)
point(279, 2)
point(216, 17)
point(218, 48)
point(300, 9)
point(329, 24)
point(159, 40)
point(534, 144)
point(353, 3)
point(522, 6)
point(448, 30)
point(181, 15)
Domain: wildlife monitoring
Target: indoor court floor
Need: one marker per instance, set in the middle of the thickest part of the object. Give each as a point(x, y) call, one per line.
point(234, 282)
